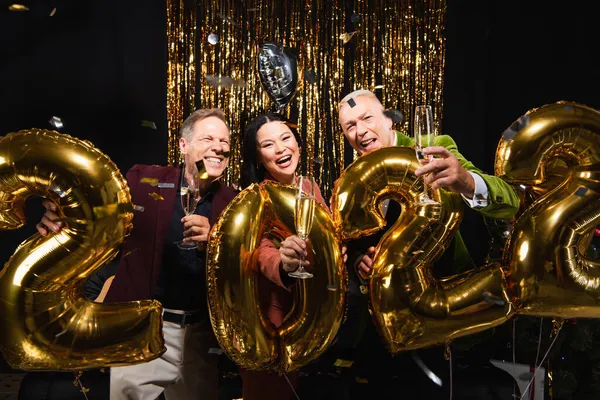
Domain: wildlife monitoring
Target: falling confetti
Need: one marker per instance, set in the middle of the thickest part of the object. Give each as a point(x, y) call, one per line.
point(343, 363)
point(202, 172)
point(17, 7)
point(156, 196)
point(150, 181)
point(53, 12)
point(492, 299)
point(293, 126)
point(346, 37)
point(318, 160)
point(218, 81)
point(56, 122)
point(355, 18)
point(148, 124)
point(394, 115)
point(213, 38)
point(310, 76)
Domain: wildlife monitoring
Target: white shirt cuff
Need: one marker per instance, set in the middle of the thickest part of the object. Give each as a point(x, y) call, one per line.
point(480, 195)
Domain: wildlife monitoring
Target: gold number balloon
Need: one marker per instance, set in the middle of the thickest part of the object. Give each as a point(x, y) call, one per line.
point(46, 323)
point(553, 152)
point(241, 326)
point(413, 308)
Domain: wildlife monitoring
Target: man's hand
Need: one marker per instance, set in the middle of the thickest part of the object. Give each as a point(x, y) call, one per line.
point(47, 223)
point(195, 229)
point(446, 172)
point(365, 266)
point(292, 251)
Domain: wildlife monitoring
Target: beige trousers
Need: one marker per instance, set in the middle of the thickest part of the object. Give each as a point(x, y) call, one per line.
point(185, 371)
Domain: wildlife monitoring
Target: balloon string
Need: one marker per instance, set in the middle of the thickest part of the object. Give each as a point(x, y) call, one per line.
point(538, 367)
point(539, 342)
point(291, 386)
point(514, 344)
point(450, 361)
point(83, 390)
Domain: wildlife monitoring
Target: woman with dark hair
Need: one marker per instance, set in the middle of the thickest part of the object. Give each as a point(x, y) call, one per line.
point(272, 153)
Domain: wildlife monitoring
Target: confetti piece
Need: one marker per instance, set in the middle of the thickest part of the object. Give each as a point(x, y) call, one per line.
point(436, 379)
point(215, 350)
point(56, 122)
point(202, 173)
point(166, 185)
point(293, 126)
point(394, 115)
point(111, 209)
point(346, 37)
point(150, 181)
point(130, 252)
point(351, 103)
point(213, 38)
point(17, 7)
point(331, 288)
point(318, 160)
point(139, 208)
point(378, 87)
point(156, 196)
point(227, 19)
point(492, 299)
point(53, 12)
point(149, 124)
point(343, 363)
point(310, 76)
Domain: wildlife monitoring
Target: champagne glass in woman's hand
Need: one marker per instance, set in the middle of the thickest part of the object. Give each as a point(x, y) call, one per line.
point(303, 217)
point(424, 137)
point(190, 196)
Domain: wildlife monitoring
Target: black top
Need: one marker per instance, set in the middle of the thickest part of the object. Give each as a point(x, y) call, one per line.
point(182, 280)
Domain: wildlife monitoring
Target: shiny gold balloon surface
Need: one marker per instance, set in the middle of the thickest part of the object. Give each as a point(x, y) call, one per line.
point(412, 307)
point(46, 323)
point(553, 152)
point(241, 326)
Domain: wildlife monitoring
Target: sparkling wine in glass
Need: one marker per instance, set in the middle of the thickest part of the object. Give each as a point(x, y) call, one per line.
point(303, 217)
point(424, 137)
point(189, 192)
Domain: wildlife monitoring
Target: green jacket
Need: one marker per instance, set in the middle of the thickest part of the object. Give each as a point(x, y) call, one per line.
point(503, 203)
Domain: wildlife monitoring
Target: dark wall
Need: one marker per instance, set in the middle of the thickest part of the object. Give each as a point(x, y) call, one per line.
point(99, 66)
point(504, 58)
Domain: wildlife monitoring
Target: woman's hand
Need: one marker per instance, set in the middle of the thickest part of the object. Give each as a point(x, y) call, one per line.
point(292, 252)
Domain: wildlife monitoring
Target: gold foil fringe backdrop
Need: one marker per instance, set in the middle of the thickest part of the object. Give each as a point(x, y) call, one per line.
point(397, 51)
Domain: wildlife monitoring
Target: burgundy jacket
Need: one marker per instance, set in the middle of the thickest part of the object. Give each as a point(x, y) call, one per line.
point(141, 254)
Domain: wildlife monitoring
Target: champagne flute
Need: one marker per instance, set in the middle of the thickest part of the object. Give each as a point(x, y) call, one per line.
point(303, 217)
point(424, 137)
point(189, 191)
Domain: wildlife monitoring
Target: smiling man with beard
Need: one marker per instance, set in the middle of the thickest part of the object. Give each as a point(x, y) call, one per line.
point(367, 128)
point(152, 266)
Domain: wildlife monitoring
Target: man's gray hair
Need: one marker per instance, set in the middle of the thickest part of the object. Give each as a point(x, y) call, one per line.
point(188, 125)
point(357, 93)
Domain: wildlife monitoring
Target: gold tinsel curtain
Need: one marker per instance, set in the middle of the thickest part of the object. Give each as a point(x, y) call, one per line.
point(395, 48)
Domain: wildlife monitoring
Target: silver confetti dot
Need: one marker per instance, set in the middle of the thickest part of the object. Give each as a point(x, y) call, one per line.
point(56, 122)
point(213, 38)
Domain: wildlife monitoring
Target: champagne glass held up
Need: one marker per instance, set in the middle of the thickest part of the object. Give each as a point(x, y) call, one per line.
point(303, 217)
point(424, 137)
point(190, 196)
